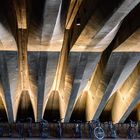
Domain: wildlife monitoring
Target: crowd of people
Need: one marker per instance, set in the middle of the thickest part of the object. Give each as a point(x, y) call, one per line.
point(95, 129)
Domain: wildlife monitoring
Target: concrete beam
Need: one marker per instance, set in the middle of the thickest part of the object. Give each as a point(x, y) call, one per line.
point(126, 96)
point(46, 33)
point(121, 73)
point(37, 62)
point(130, 108)
point(112, 25)
point(52, 62)
point(70, 74)
point(130, 44)
point(6, 86)
point(88, 61)
point(42, 64)
point(125, 67)
point(127, 70)
point(59, 79)
point(24, 83)
point(76, 83)
point(102, 40)
point(108, 31)
point(51, 12)
point(94, 89)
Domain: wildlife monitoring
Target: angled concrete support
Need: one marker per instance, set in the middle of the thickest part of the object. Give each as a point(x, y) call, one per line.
point(42, 62)
point(50, 15)
point(124, 68)
point(126, 96)
point(52, 62)
point(130, 108)
point(112, 25)
point(88, 61)
point(127, 70)
point(6, 87)
point(128, 62)
point(103, 38)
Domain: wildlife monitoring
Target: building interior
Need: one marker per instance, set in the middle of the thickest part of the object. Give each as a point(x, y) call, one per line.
point(70, 60)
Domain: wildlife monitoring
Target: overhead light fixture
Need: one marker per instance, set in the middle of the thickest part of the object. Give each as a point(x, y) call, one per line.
point(78, 21)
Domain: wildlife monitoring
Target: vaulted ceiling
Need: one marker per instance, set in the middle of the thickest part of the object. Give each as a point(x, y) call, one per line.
point(70, 60)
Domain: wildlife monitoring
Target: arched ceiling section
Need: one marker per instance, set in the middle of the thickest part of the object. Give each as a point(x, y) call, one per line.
point(25, 108)
point(52, 112)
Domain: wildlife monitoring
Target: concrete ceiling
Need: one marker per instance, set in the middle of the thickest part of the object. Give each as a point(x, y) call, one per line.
point(52, 67)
